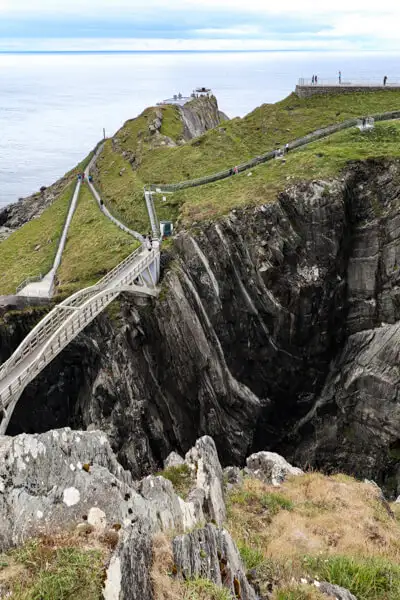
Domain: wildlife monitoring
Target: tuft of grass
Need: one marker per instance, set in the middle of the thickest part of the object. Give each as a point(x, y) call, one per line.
point(275, 502)
point(55, 570)
point(94, 246)
point(30, 250)
point(203, 589)
point(251, 557)
point(371, 578)
point(298, 592)
point(180, 477)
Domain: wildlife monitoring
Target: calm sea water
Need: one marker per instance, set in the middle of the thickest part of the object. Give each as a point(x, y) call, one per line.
point(53, 107)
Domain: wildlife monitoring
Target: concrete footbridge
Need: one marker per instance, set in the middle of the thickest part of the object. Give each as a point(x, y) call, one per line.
point(138, 274)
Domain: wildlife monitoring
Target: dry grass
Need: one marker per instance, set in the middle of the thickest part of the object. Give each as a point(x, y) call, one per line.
point(328, 514)
point(333, 527)
point(60, 567)
point(164, 586)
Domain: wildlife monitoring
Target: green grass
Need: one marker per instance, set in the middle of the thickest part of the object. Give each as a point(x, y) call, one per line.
point(94, 246)
point(180, 477)
point(45, 572)
point(320, 160)
point(251, 557)
point(30, 250)
point(172, 125)
point(271, 501)
point(268, 127)
point(366, 578)
point(204, 589)
point(275, 502)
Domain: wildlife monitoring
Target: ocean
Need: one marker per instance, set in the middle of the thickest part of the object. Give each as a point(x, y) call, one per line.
point(53, 107)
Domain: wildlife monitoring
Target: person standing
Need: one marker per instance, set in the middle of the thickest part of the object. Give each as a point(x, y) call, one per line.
point(313, 79)
point(340, 77)
point(385, 80)
point(316, 79)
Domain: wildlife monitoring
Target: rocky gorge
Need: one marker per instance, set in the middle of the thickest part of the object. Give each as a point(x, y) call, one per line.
point(276, 329)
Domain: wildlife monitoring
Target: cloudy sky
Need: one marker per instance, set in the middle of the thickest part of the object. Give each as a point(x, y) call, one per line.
point(356, 25)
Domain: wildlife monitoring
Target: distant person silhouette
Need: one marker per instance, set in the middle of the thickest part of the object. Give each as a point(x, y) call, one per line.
point(340, 77)
point(385, 80)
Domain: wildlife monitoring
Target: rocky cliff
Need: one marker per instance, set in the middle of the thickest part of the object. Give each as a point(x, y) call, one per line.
point(276, 328)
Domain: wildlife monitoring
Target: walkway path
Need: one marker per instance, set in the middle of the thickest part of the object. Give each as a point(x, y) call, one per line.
point(43, 287)
point(101, 205)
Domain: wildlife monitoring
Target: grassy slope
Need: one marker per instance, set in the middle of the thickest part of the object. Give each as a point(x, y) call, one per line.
point(94, 246)
point(330, 528)
point(18, 257)
point(235, 141)
point(319, 160)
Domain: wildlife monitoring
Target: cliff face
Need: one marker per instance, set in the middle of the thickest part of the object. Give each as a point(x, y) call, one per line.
point(276, 328)
point(200, 115)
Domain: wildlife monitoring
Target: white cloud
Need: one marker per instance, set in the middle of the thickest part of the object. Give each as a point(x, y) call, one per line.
point(240, 30)
point(374, 24)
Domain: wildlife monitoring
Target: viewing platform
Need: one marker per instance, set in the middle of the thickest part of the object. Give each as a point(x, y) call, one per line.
point(306, 88)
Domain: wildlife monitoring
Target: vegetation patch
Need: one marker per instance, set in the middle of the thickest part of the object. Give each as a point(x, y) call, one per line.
point(94, 246)
point(30, 251)
point(180, 477)
point(268, 127)
point(339, 524)
point(203, 589)
point(53, 569)
point(370, 578)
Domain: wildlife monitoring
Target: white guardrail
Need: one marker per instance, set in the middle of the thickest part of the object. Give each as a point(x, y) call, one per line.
point(68, 319)
point(348, 82)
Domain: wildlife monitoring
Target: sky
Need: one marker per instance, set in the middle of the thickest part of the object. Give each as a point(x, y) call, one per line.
point(315, 25)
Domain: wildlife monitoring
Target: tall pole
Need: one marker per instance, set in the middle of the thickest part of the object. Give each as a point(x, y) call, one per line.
point(104, 133)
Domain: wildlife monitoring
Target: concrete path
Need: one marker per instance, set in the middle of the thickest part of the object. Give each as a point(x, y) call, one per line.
point(44, 287)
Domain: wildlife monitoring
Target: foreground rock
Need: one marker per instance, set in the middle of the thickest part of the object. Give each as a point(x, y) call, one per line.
point(335, 591)
point(210, 553)
point(63, 479)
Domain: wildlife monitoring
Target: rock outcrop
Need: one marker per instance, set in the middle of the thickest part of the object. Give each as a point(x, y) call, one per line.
point(62, 479)
point(275, 330)
point(200, 115)
point(271, 468)
point(210, 553)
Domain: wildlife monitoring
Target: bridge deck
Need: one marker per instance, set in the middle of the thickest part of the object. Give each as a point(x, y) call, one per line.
point(21, 367)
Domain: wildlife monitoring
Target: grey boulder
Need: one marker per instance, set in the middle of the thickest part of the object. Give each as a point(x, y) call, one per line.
point(271, 468)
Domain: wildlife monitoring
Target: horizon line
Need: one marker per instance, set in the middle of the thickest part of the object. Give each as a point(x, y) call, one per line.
point(208, 51)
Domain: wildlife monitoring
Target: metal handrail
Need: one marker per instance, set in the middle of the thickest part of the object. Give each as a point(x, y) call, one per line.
point(346, 82)
point(51, 322)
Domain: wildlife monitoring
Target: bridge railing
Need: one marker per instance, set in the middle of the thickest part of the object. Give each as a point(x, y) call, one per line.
point(54, 320)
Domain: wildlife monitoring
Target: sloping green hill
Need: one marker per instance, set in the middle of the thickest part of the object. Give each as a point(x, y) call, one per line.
point(129, 161)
